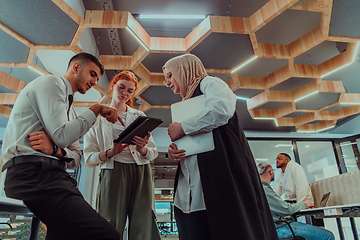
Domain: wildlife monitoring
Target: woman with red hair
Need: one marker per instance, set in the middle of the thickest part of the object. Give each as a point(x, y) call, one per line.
point(125, 183)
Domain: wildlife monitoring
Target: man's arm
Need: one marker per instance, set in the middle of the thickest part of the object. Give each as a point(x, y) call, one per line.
point(41, 142)
point(49, 101)
point(279, 206)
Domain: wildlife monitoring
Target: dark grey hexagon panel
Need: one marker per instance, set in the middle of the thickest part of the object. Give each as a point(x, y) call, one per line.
point(318, 54)
point(163, 112)
point(261, 67)
point(23, 74)
point(288, 26)
point(6, 90)
point(343, 16)
point(155, 61)
point(314, 122)
point(250, 124)
point(292, 84)
point(224, 50)
point(337, 107)
point(11, 50)
point(3, 121)
point(160, 95)
point(53, 26)
point(224, 76)
point(272, 105)
point(112, 73)
point(247, 93)
point(317, 101)
point(295, 114)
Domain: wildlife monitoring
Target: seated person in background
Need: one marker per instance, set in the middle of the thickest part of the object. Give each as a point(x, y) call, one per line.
point(283, 210)
point(292, 181)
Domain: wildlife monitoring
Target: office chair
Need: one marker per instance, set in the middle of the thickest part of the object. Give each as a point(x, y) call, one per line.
point(292, 231)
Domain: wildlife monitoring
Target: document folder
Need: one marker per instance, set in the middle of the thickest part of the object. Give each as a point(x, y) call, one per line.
point(139, 127)
point(197, 143)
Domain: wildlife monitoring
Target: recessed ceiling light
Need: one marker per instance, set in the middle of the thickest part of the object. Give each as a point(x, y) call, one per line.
point(172, 17)
point(241, 65)
point(306, 96)
point(147, 49)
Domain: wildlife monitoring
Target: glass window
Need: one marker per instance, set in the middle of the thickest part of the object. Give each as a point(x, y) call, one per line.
point(268, 151)
point(350, 153)
point(318, 160)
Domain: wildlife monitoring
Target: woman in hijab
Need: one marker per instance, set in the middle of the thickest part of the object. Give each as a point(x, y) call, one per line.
point(125, 182)
point(218, 194)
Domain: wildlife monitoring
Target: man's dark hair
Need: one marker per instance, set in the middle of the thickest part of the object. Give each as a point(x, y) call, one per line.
point(86, 57)
point(286, 155)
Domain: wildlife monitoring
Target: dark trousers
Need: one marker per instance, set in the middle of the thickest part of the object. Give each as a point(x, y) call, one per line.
point(51, 194)
point(192, 226)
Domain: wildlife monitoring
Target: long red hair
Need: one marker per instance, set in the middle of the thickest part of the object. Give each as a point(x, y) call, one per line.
point(128, 76)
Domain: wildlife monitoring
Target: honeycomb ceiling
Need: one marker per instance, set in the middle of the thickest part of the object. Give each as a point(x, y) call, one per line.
point(293, 64)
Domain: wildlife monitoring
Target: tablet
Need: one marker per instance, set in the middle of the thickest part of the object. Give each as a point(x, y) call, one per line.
point(139, 127)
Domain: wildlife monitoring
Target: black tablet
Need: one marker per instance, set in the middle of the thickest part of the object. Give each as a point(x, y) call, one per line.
point(139, 127)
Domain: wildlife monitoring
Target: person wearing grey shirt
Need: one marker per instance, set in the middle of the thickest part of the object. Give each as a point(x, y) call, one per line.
point(281, 210)
point(41, 142)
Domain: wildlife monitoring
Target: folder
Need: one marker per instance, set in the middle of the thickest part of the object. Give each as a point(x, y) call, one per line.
point(197, 143)
point(139, 127)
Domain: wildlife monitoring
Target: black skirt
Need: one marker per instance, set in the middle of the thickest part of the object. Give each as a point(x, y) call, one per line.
point(235, 201)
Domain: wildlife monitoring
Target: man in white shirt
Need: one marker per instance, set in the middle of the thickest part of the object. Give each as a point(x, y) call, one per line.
point(292, 181)
point(41, 142)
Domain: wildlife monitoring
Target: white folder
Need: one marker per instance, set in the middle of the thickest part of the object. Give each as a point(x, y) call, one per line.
point(197, 143)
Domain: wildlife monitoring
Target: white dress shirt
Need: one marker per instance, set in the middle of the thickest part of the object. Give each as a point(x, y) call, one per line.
point(100, 138)
point(220, 104)
point(42, 106)
point(293, 184)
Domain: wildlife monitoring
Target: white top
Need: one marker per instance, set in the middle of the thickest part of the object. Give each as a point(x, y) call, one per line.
point(42, 106)
point(100, 138)
point(293, 184)
point(125, 156)
point(220, 104)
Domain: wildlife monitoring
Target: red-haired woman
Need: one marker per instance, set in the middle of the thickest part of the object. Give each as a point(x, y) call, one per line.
point(125, 183)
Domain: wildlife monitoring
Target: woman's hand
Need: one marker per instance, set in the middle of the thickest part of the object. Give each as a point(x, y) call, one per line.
point(175, 131)
point(141, 143)
point(177, 155)
point(118, 148)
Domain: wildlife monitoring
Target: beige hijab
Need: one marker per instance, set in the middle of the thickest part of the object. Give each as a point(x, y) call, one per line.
point(188, 70)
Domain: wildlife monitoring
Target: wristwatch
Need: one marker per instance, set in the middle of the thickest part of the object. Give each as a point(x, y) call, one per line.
point(55, 149)
point(106, 152)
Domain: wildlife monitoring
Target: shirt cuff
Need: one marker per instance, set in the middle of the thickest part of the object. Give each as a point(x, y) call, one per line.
point(89, 116)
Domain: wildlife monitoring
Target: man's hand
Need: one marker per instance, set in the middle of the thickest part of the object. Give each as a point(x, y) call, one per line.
point(177, 155)
point(107, 112)
point(39, 141)
point(309, 204)
point(175, 131)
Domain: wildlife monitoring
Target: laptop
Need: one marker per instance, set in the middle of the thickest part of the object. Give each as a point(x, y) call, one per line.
point(324, 199)
point(198, 143)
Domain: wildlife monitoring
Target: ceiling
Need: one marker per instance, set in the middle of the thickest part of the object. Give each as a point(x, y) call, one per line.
point(303, 73)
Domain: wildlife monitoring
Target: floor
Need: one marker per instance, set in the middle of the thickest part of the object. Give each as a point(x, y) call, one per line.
point(171, 237)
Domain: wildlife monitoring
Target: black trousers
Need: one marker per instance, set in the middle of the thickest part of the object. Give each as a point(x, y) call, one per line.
point(192, 226)
point(51, 194)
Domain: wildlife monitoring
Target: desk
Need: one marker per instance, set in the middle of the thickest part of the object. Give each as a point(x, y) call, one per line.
point(18, 208)
point(349, 210)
